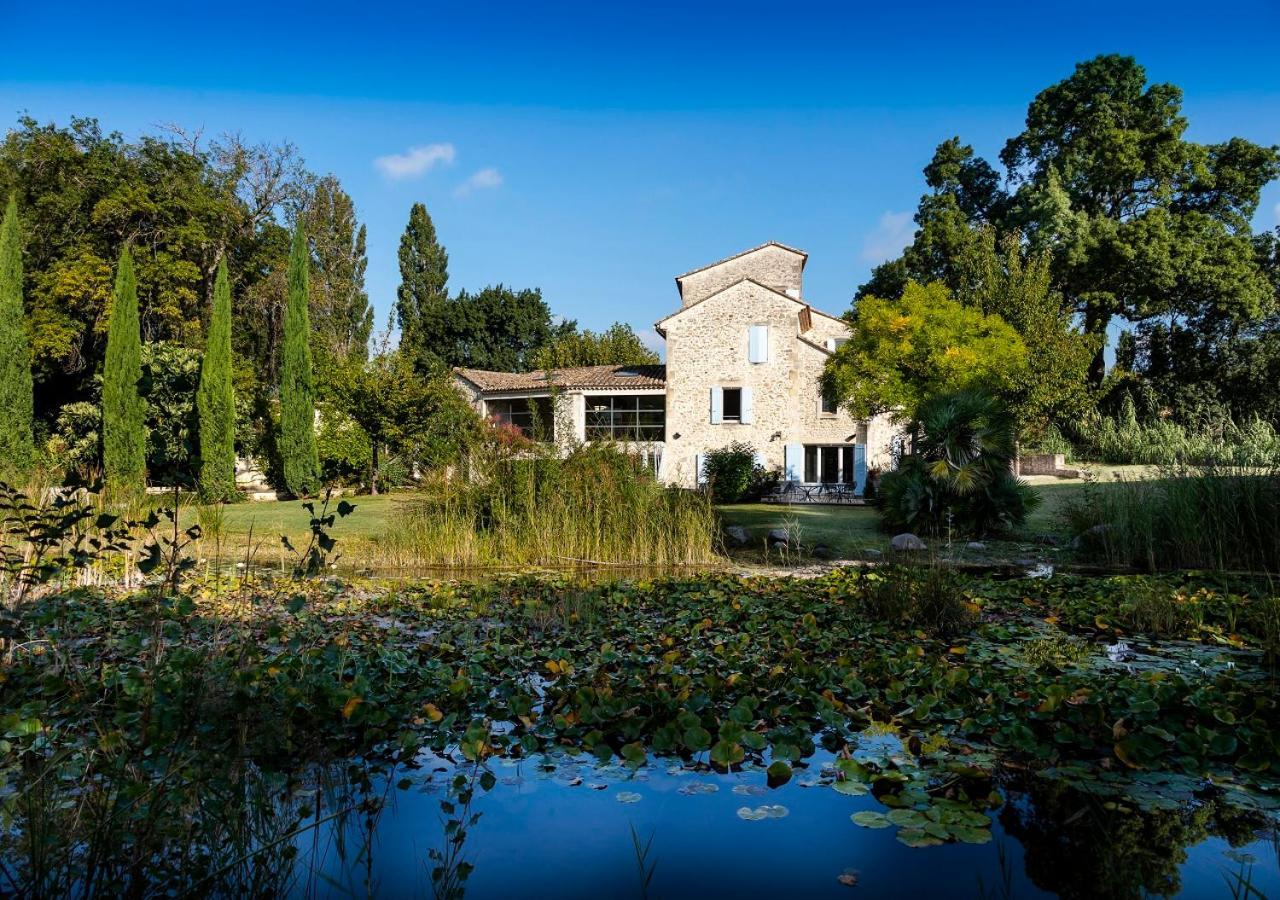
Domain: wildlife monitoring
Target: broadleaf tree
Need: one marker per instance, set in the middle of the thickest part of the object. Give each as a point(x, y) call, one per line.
point(901, 352)
point(617, 345)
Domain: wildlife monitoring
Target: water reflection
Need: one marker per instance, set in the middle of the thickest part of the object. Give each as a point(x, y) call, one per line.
point(566, 827)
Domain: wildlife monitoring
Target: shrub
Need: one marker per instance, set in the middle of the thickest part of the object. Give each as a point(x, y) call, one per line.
point(959, 478)
point(1209, 518)
point(729, 472)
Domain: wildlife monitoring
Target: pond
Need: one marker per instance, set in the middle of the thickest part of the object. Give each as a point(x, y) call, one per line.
point(569, 827)
point(899, 732)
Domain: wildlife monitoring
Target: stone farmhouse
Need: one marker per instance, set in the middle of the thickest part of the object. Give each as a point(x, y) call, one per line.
point(745, 355)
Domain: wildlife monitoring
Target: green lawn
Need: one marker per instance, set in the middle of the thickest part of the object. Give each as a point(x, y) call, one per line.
point(847, 530)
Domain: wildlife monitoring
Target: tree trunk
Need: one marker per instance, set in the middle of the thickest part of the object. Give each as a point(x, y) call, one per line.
point(373, 469)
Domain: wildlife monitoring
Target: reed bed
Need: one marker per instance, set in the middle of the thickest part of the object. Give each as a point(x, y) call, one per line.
point(596, 505)
point(1213, 517)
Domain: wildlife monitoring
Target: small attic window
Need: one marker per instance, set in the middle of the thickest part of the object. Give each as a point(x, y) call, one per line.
point(627, 373)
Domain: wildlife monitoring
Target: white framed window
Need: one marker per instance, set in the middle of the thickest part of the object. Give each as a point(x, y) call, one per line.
point(731, 405)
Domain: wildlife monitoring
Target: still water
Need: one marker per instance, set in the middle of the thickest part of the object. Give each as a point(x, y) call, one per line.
point(579, 830)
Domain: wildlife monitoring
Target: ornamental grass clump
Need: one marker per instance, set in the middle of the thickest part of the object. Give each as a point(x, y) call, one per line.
point(598, 504)
point(929, 598)
point(1189, 518)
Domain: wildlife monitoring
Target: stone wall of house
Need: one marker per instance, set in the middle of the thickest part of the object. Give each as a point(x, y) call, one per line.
point(707, 346)
point(773, 266)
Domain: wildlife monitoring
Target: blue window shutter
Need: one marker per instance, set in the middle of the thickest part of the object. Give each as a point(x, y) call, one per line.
point(745, 418)
point(699, 468)
point(717, 405)
point(794, 462)
point(859, 469)
point(759, 458)
point(758, 345)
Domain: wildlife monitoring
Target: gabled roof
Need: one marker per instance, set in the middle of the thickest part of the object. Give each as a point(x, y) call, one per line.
point(804, 257)
point(580, 378)
point(746, 278)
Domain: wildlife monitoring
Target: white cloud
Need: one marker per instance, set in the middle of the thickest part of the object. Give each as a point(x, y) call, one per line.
point(892, 234)
point(484, 179)
point(415, 161)
point(1276, 212)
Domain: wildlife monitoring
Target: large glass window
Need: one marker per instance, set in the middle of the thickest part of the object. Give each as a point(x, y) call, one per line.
point(828, 465)
point(532, 415)
point(626, 417)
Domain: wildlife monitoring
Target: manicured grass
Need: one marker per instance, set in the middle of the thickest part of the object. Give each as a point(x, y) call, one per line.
point(847, 530)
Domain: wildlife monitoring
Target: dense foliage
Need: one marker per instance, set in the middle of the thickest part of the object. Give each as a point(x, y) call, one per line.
point(959, 476)
point(17, 445)
point(124, 436)
point(617, 345)
point(730, 472)
point(297, 386)
point(904, 351)
point(215, 401)
point(423, 419)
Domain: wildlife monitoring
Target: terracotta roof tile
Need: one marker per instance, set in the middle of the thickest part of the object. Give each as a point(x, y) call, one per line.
point(581, 378)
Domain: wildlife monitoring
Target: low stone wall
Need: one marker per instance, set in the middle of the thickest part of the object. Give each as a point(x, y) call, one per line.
point(1045, 464)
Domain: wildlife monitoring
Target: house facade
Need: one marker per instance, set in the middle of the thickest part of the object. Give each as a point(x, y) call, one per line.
point(745, 356)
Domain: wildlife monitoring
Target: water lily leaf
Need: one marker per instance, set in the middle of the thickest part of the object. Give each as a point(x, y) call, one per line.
point(627, 797)
point(907, 818)
point(970, 835)
point(779, 773)
point(870, 819)
point(726, 754)
point(914, 837)
point(852, 788)
point(697, 738)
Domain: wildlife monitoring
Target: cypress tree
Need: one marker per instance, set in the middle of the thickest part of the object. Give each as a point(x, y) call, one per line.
point(124, 434)
point(215, 402)
point(297, 390)
point(17, 447)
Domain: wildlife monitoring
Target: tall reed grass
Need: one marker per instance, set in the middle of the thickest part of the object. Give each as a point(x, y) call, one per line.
point(1221, 518)
point(597, 504)
point(1123, 440)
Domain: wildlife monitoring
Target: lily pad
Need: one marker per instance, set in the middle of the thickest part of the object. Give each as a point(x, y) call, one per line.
point(915, 837)
point(870, 819)
point(628, 797)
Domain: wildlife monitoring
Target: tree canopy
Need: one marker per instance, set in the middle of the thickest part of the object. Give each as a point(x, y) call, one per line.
point(903, 351)
point(617, 345)
point(1138, 221)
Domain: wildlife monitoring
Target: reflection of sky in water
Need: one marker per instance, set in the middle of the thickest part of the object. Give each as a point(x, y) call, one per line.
point(567, 833)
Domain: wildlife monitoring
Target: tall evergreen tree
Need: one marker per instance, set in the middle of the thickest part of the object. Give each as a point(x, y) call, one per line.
point(422, 298)
point(341, 318)
point(297, 388)
point(124, 433)
point(16, 444)
point(215, 401)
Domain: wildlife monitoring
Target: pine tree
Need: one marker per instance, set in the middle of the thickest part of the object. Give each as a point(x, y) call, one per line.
point(124, 434)
point(17, 448)
point(297, 389)
point(422, 298)
point(215, 401)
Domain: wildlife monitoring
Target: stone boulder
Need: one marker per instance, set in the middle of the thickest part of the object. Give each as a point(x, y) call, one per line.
point(906, 543)
point(780, 537)
point(736, 536)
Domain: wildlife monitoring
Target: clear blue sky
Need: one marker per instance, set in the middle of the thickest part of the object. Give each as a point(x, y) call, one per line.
point(597, 150)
